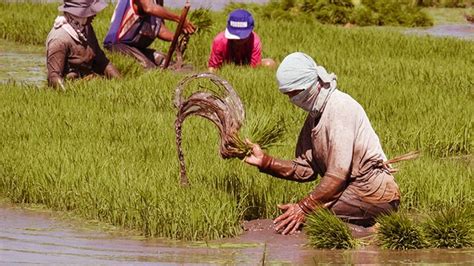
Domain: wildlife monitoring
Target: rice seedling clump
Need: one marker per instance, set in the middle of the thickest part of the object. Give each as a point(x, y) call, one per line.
point(398, 231)
point(450, 228)
point(325, 230)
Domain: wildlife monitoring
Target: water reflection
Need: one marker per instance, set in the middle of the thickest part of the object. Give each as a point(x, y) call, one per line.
point(39, 237)
point(22, 67)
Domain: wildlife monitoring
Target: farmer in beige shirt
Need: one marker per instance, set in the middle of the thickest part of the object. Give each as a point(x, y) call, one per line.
point(336, 142)
point(72, 48)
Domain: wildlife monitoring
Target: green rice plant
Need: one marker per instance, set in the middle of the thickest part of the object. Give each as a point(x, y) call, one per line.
point(397, 231)
point(105, 149)
point(450, 227)
point(325, 230)
point(267, 132)
point(201, 18)
point(126, 65)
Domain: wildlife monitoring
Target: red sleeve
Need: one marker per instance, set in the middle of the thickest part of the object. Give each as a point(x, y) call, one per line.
point(216, 57)
point(256, 51)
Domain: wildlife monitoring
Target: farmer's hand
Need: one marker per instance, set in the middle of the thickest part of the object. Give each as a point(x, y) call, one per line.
point(256, 157)
point(189, 27)
point(291, 220)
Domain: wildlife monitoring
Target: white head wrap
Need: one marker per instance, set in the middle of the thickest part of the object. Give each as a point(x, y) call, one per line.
point(298, 71)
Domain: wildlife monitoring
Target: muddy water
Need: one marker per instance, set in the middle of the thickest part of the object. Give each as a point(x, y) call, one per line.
point(462, 31)
point(23, 67)
point(28, 236)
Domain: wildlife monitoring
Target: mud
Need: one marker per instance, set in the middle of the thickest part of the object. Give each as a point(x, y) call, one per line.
point(28, 237)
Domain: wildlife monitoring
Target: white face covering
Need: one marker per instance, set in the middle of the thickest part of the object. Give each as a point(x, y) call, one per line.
point(306, 98)
point(299, 71)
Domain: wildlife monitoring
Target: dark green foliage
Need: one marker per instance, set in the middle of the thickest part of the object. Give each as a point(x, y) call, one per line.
point(450, 227)
point(325, 230)
point(363, 16)
point(333, 12)
point(252, 8)
point(394, 12)
point(397, 231)
point(371, 12)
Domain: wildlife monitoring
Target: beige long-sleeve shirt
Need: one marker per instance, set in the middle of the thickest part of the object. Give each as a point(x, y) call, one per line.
point(344, 145)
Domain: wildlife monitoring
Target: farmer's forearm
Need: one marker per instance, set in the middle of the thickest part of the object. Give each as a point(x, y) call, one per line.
point(329, 189)
point(150, 8)
point(286, 169)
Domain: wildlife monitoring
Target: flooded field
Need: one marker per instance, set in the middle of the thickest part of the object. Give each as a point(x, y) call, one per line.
point(19, 66)
point(32, 236)
point(462, 31)
point(28, 236)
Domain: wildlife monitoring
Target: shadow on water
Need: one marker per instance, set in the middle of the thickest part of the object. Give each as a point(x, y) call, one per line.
point(28, 236)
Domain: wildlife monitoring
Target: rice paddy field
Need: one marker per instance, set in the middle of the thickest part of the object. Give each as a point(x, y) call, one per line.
point(105, 149)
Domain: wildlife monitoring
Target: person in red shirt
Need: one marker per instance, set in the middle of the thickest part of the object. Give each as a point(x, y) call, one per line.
point(238, 44)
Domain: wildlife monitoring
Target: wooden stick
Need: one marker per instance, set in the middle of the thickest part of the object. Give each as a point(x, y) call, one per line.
point(178, 32)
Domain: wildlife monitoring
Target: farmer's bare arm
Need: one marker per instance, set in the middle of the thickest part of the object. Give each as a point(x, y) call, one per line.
point(165, 34)
point(149, 7)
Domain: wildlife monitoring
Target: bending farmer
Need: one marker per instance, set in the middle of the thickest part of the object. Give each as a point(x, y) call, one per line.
point(238, 44)
point(72, 47)
point(336, 142)
point(136, 24)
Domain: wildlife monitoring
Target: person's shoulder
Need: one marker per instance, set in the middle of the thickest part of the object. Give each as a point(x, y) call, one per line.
point(220, 37)
point(343, 102)
point(58, 35)
point(220, 40)
point(255, 35)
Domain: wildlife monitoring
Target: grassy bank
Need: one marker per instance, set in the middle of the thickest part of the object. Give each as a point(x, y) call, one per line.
point(105, 149)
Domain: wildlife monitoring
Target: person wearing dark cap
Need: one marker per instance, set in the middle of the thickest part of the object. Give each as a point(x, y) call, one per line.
point(72, 47)
point(136, 24)
point(238, 44)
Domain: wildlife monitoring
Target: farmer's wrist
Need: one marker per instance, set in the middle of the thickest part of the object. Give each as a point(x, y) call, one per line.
point(307, 205)
point(266, 162)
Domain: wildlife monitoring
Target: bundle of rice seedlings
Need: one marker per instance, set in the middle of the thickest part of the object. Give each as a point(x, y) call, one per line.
point(325, 230)
point(397, 231)
point(450, 227)
point(222, 106)
point(201, 18)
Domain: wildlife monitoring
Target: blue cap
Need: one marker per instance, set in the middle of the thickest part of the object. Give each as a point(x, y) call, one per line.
point(239, 25)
